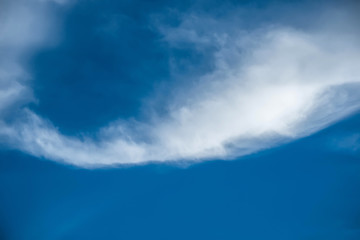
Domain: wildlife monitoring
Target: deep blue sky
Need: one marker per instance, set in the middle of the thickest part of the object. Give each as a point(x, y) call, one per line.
point(306, 190)
point(101, 70)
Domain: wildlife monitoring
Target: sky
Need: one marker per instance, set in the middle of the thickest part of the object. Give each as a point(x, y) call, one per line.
point(179, 119)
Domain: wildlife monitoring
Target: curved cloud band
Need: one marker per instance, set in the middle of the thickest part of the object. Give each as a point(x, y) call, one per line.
point(268, 86)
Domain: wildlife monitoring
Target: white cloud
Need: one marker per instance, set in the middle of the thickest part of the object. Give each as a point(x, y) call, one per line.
point(268, 87)
point(24, 27)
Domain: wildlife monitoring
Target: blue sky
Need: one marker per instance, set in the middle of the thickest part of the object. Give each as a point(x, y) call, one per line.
point(179, 119)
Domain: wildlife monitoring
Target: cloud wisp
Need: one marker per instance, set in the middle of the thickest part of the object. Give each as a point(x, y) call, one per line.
point(268, 86)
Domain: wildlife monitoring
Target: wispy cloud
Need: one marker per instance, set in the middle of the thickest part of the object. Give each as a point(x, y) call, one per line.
point(268, 86)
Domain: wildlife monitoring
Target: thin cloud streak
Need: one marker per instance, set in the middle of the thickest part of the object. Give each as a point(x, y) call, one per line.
point(268, 86)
